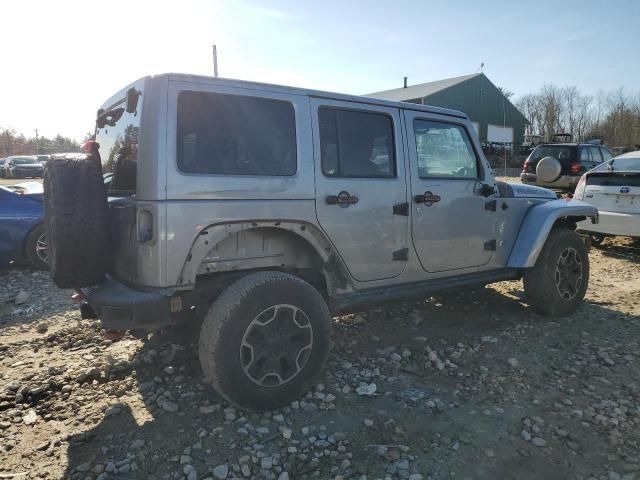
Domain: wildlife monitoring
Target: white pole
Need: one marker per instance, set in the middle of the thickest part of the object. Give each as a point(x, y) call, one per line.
point(215, 61)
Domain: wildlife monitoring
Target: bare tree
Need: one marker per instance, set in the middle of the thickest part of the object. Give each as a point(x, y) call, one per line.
point(613, 117)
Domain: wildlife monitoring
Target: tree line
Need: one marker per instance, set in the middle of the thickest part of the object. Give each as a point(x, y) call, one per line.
point(14, 143)
point(613, 117)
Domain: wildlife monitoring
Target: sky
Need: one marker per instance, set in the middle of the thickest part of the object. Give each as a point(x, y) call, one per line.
point(61, 59)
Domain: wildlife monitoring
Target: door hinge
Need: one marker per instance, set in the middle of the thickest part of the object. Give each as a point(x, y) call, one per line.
point(401, 209)
point(490, 205)
point(402, 254)
point(490, 245)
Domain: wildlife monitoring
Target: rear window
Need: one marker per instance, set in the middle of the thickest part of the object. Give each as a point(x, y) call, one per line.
point(615, 179)
point(118, 136)
point(235, 135)
point(556, 151)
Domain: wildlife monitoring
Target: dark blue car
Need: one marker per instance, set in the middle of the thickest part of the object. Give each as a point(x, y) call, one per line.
point(22, 234)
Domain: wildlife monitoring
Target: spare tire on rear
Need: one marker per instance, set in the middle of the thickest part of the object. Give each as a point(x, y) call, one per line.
point(76, 220)
point(548, 169)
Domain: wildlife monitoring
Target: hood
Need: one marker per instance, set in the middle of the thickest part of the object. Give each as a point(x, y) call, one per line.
point(517, 190)
point(31, 190)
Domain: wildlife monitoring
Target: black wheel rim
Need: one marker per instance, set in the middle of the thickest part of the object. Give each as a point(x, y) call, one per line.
point(276, 345)
point(42, 251)
point(568, 274)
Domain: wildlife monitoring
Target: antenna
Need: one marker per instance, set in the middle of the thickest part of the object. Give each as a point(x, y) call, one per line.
point(481, 69)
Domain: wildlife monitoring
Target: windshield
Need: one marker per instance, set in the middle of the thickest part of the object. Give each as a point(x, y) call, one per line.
point(24, 161)
point(620, 165)
point(555, 151)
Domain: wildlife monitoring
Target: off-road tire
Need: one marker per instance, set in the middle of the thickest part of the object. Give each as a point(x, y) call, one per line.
point(76, 220)
point(31, 248)
point(540, 281)
point(230, 317)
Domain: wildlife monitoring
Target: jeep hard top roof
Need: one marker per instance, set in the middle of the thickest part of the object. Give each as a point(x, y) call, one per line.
point(203, 79)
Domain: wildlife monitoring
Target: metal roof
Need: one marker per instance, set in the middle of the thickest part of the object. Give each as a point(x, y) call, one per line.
point(421, 90)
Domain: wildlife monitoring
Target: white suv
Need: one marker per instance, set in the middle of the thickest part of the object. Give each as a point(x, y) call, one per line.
point(260, 210)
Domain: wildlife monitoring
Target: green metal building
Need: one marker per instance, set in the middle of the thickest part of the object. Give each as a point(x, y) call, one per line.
point(495, 118)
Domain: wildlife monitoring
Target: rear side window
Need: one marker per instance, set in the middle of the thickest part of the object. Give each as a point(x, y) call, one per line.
point(235, 135)
point(585, 156)
point(356, 143)
point(596, 157)
point(606, 155)
point(444, 150)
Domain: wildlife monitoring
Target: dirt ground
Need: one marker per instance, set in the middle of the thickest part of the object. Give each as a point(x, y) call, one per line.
point(469, 386)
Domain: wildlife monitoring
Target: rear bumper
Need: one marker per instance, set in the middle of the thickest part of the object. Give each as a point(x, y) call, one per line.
point(122, 308)
point(564, 182)
point(612, 223)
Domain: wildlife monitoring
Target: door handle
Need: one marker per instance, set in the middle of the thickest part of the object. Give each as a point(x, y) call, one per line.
point(427, 198)
point(343, 198)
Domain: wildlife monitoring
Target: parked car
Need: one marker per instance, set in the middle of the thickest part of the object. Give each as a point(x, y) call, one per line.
point(3, 162)
point(259, 210)
point(22, 235)
point(614, 189)
point(43, 159)
point(21, 166)
point(559, 166)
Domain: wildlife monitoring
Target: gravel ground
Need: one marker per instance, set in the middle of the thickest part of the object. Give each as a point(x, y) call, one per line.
point(13, 181)
point(471, 386)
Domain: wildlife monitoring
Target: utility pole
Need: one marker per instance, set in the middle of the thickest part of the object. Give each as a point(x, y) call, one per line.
point(215, 61)
point(37, 145)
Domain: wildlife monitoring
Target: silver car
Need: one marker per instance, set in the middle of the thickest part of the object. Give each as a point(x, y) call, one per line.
point(613, 188)
point(258, 211)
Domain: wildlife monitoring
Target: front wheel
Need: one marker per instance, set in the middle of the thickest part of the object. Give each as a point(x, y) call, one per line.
point(36, 249)
point(558, 282)
point(264, 339)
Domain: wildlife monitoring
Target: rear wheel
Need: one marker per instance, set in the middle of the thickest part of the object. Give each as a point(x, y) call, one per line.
point(558, 282)
point(264, 339)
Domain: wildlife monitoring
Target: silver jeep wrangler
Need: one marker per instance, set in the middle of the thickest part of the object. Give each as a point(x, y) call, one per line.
point(260, 211)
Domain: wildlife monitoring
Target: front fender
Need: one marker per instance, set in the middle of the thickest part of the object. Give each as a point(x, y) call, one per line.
point(538, 223)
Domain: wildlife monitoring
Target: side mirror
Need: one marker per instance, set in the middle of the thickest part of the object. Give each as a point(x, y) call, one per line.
point(132, 99)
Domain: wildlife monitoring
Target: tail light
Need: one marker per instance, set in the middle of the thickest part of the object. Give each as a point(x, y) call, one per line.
point(145, 226)
point(576, 168)
point(526, 167)
point(580, 188)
